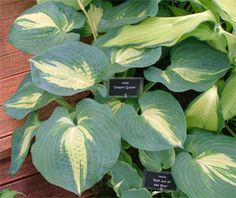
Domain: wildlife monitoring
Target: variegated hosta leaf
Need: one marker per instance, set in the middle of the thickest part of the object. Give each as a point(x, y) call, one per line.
point(231, 41)
point(205, 111)
point(130, 12)
point(208, 166)
point(157, 160)
point(72, 3)
point(137, 193)
point(122, 59)
point(160, 126)
point(96, 11)
point(44, 26)
point(21, 140)
point(27, 98)
point(228, 98)
point(124, 177)
point(225, 8)
point(207, 32)
point(194, 65)
point(69, 68)
point(75, 154)
point(155, 31)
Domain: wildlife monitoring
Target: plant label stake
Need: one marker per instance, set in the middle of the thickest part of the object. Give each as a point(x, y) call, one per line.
point(125, 87)
point(159, 180)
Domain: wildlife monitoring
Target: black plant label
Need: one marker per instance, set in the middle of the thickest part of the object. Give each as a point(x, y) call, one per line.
point(159, 180)
point(125, 87)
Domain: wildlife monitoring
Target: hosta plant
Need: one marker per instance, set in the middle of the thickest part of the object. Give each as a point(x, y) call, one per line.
point(183, 122)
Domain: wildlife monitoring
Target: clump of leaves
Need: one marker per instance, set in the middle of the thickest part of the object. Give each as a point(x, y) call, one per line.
point(79, 144)
point(9, 193)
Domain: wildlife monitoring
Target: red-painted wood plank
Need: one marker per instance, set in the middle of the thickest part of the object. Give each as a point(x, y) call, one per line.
point(13, 64)
point(8, 86)
point(37, 187)
point(15, 8)
point(8, 124)
point(5, 148)
point(26, 170)
point(3, 2)
point(6, 47)
point(5, 27)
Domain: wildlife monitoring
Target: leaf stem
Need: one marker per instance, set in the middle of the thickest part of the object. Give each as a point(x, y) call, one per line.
point(94, 32)
point(65, 104)
point(230, 130)
point(148, 86)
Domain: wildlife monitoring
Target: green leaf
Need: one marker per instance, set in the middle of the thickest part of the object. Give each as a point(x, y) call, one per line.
point(8, 193)
point(44, 26)
point(137, 193)
point(157, 160)
point(178, 11)
point(178, 194)
point(122, 59)
point(71, 3)
point(69, 68)
point(208, 166)
point(76, 154)
point(228, 98)
point(125, 157)
point(194, 65)
point(160, 126)
point(21, 140)
point(154, 31)
point(27, 98)
point(130, 12)
point(207, 32)
point(124, 177)
point(205, 111)
point(225, 8)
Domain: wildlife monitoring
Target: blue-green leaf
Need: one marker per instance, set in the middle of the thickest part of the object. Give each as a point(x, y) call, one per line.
point(207, 167)
point(122, 59)
point(27, 98)
point(69, 68)
point(75, 152)
point(194, 65)
point(157, 160)
point(21, 140)
point(160, 126)
point(44, 26)
point(130, 12)
point(124, 177)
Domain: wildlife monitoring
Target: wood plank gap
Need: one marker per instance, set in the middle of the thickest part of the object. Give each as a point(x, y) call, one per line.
point(10, 53)
point(19, 179)
point(16, 74)
point(6, 135)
